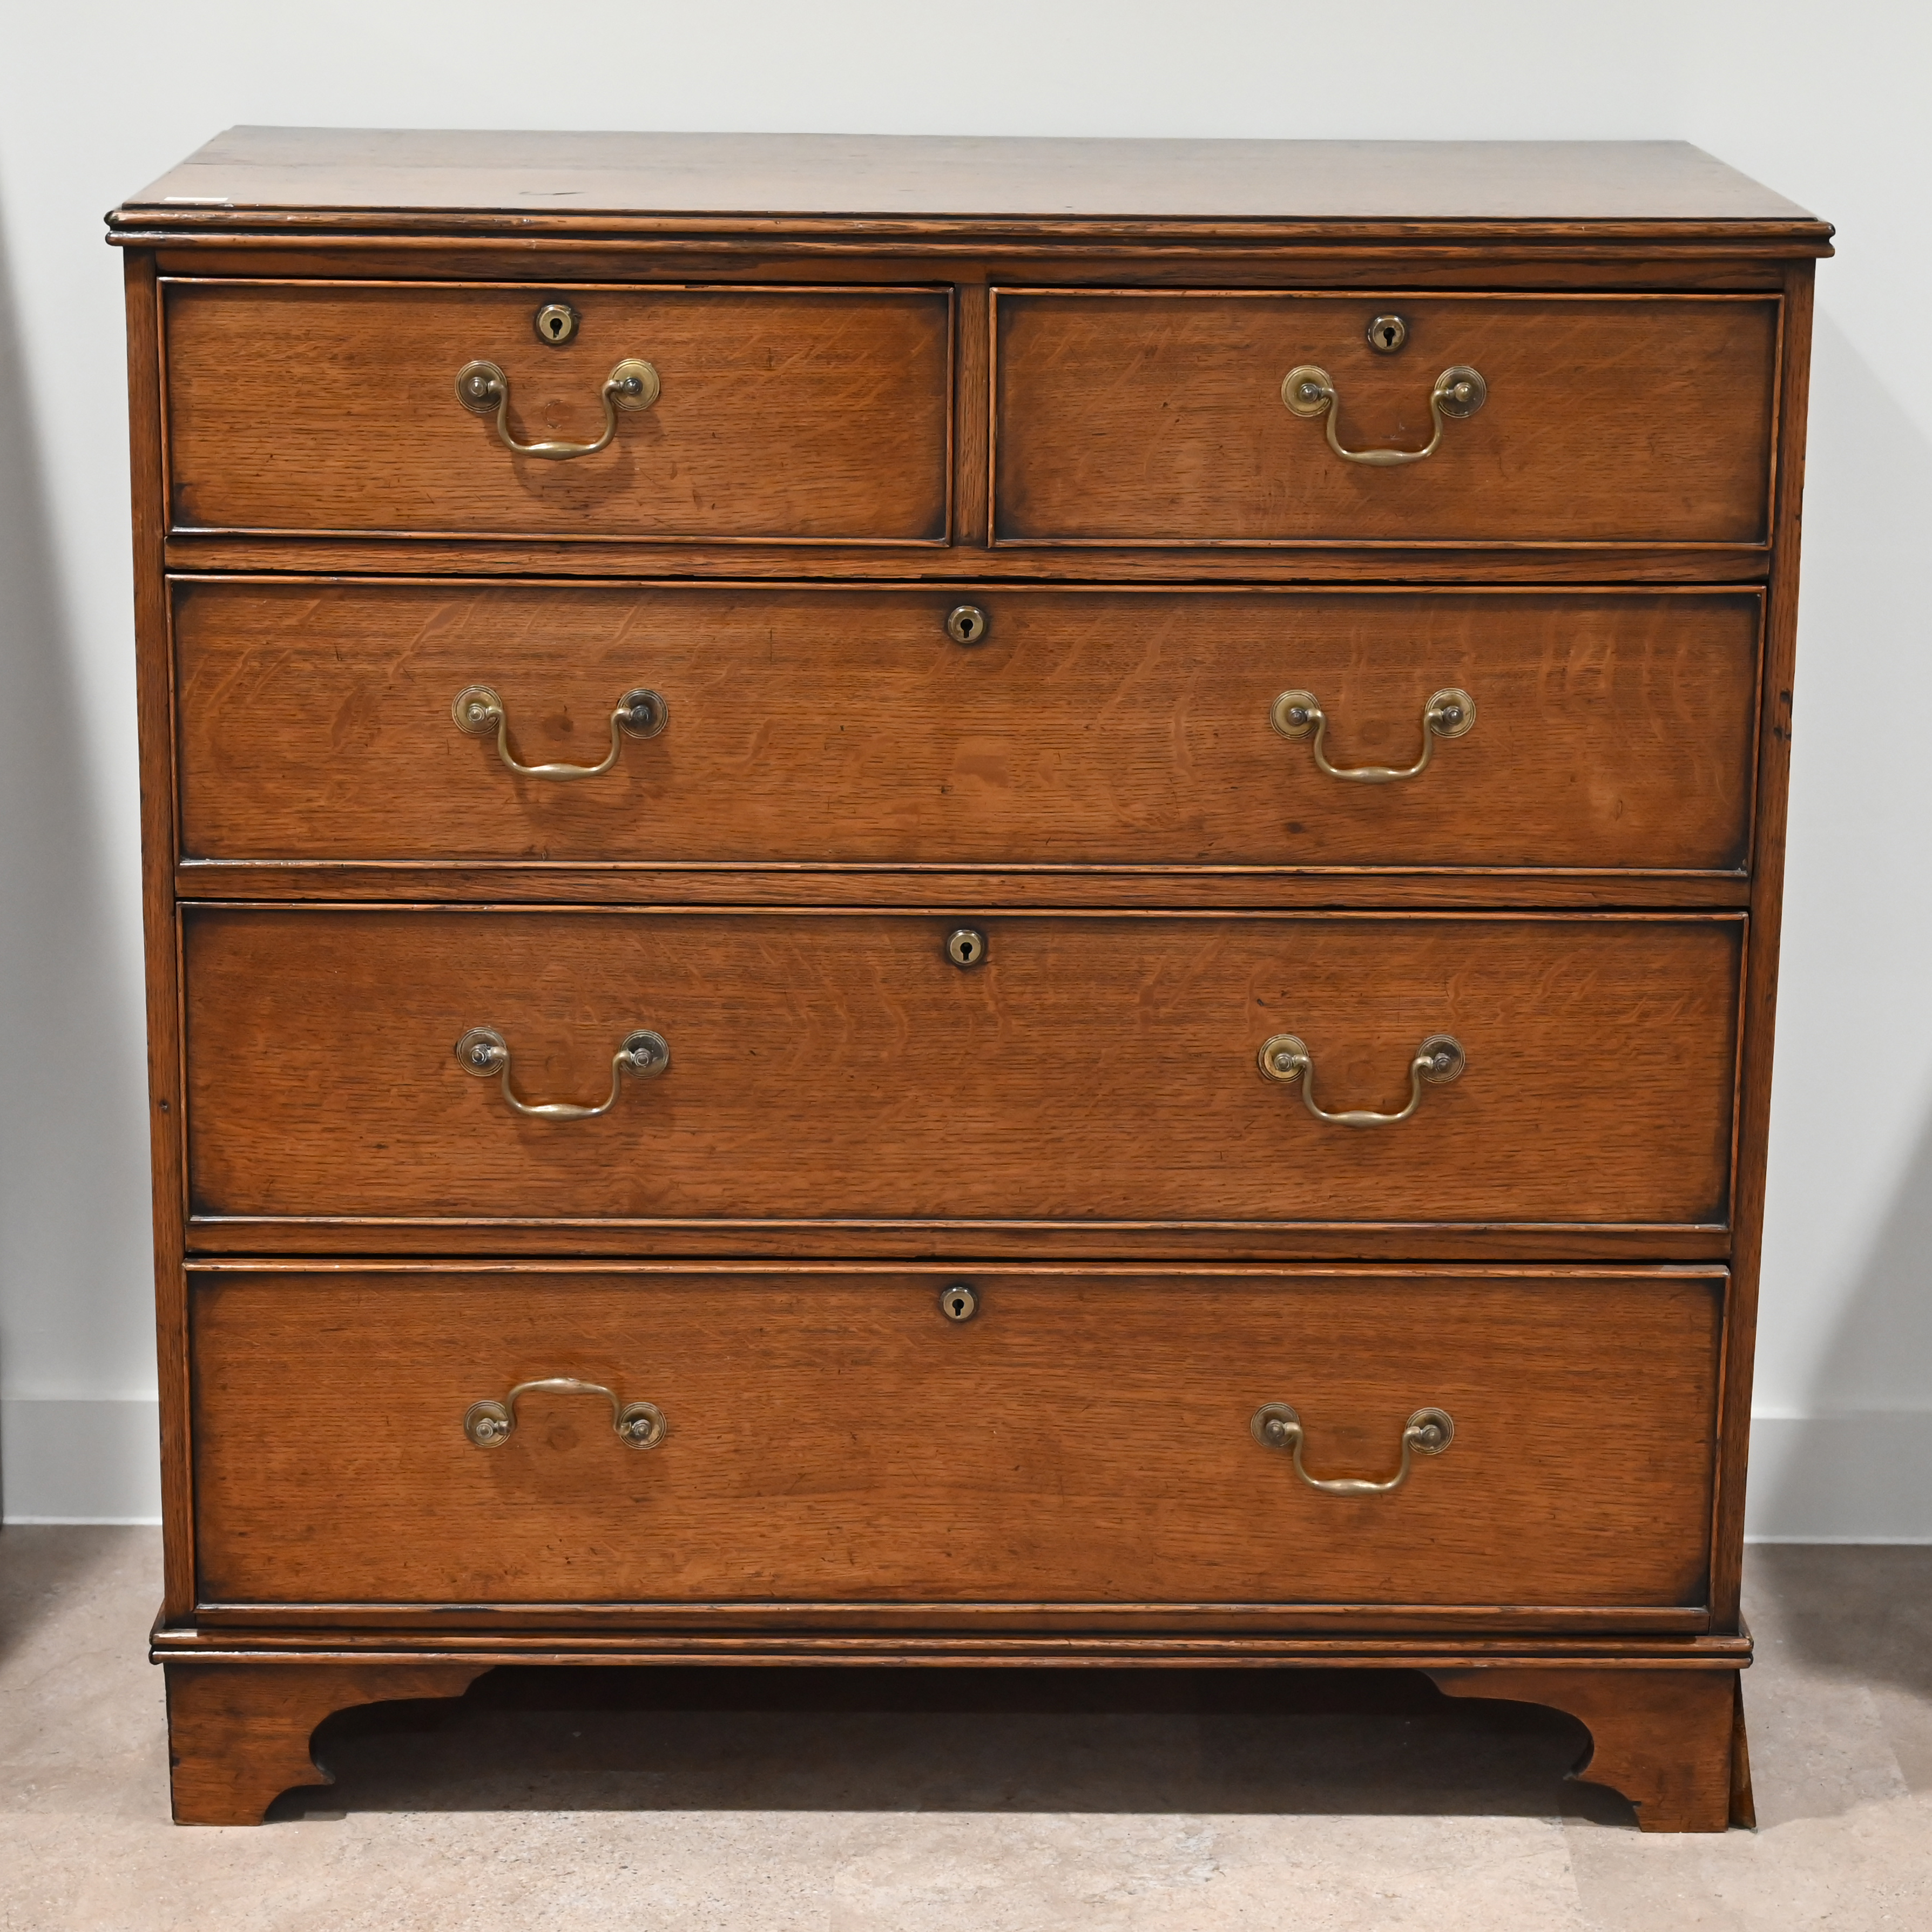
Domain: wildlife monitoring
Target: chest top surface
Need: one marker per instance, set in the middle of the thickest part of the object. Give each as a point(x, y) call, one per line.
point(379, 180)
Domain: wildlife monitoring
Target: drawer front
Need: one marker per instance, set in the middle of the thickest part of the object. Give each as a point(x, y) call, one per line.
point(801, 414)
point(1611, 731)
point(831, 1066)
point(834, 1439)
point(1137, 417)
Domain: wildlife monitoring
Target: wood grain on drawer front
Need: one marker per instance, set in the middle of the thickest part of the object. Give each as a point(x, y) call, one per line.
point(1614, 730)
point(1129, 416)
point(830, 1066)
point(833, 1438)
point(817, 414)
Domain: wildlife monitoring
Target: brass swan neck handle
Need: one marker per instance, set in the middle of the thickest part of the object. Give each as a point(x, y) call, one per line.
point(483, 1051)
point(483, 389)
point(1428, 1432)
point(479, 709)
point(1449, 713)
point(639, 1425)
point(1460, 392)
point(1284, 1058)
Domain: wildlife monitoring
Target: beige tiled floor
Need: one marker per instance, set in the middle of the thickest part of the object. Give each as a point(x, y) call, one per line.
point(928, 1802)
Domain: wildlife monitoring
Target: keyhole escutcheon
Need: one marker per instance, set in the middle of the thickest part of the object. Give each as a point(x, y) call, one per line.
point(958, 1302)
point(1387, 333)
point(966, 624)
point(556, 323)
point(966, 946)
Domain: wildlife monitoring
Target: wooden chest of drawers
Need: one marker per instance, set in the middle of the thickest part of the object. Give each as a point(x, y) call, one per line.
point(824, 812)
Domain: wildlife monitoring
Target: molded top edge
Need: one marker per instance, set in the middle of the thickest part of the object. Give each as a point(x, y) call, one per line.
point(350, 180)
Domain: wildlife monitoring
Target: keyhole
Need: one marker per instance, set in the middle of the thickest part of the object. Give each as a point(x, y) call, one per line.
point(966, 624)
point(966, 946)
point(958, 1302)
point(1387, 333)
point(556, 323)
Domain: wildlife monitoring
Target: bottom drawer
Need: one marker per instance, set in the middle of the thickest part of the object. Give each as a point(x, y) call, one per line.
point(825, 1444)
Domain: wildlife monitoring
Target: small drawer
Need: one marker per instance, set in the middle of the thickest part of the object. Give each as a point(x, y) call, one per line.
point(379, 1065)
point(1592, 731)
point(1134, 416)
point(796, 414)
point(802, 1445)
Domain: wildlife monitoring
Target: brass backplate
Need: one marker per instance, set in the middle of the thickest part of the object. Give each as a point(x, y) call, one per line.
point(1452, 700)
point(1435, 1429)
point(633, 384)
point(1293, 714)
point(476, 708)
point(479, 387)
point(1307, 390)
point(640, 1425)
point(642, 713)
point(646, 1053)
point(482, 1051)
point(1283, 1057)
point(1274, 1425)
point(1461, 392)
point(487, 1424)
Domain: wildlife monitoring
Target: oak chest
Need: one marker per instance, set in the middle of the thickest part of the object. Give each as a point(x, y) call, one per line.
point(960, 901)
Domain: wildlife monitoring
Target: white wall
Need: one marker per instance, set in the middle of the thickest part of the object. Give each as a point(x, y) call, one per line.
point(1824, 102)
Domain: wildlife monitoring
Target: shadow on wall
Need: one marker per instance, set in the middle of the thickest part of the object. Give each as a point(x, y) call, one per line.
point(1860, 1466)
point(73, 1190)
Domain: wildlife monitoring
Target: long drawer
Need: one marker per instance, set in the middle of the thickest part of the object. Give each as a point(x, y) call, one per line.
point(798, 414)
point(1142, 416)
point(1593, 730)
point(1083, 1443)
point(734, 1068)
